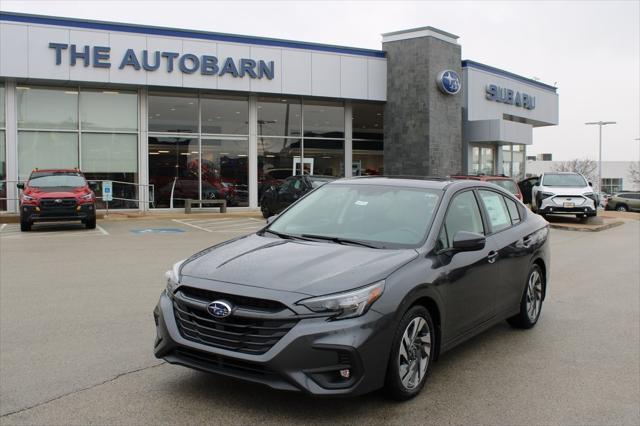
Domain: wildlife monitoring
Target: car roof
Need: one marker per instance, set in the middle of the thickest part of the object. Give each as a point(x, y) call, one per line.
point(481, 177)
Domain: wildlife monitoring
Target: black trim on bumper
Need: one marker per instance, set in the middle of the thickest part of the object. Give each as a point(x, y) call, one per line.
point(45, 214)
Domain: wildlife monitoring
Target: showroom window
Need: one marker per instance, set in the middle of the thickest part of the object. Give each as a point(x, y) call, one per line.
point(198, 148)
point(3, 154)
point(482, 160)
point(92, 129)
point(368, 145)
point(611, 185)
point(513, 161)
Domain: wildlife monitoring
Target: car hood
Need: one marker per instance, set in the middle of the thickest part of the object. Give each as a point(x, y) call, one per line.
point(566, 190)
point(57, 192)
point(307, 267)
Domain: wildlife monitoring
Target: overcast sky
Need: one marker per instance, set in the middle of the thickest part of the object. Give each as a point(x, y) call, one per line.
point(590, 49)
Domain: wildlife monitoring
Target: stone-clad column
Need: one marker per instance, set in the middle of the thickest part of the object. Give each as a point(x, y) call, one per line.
point(422, 124)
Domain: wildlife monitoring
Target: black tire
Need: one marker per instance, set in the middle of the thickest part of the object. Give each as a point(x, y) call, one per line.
point(25, 226)
point(622, 208)
point(393, 383)
point(523, 319)
point(91, 223)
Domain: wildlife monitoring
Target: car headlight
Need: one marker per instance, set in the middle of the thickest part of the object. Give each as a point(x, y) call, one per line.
point(28, 197)
point(346, 305)
point(88, 196)
point(172, 277)
point(543, 195)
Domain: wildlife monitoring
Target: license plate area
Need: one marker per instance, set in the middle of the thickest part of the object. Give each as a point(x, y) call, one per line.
point(569, 205)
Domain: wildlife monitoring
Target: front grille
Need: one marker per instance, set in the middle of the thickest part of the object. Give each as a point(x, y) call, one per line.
point(64, 203)
point(254, 334)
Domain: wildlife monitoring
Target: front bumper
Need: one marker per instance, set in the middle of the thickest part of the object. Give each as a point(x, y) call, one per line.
point(53, 214)
point(308, 358)
point(560, 204)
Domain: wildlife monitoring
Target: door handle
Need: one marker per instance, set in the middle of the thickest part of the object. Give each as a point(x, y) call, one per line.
point(492, 256)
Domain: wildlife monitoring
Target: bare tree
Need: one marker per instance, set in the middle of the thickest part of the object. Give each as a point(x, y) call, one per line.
point(588, 168)
point(634, 172)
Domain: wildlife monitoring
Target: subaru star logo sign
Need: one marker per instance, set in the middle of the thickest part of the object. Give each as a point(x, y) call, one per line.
point(449, 82)
point(219, 308)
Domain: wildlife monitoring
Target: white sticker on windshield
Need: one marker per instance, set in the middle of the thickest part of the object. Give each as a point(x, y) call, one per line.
point(361, 203)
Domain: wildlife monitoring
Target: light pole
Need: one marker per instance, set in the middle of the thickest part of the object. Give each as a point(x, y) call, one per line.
point(600, 124)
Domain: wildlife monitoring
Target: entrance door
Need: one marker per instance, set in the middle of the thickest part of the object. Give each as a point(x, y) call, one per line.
point(174, 170)
point(483, 159)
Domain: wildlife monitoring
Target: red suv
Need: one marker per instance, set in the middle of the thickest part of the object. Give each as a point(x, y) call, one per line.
point(56, 195)
point(504, 181)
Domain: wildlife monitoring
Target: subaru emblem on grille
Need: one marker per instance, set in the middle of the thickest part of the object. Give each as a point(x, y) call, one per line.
point(219, 308)
point(58, 200)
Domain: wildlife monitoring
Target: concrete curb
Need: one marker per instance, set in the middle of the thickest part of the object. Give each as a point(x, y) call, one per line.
point(592, 228)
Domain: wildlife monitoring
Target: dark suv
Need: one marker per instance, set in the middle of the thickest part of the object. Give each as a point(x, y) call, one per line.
point(360, 284)
point(56, 195)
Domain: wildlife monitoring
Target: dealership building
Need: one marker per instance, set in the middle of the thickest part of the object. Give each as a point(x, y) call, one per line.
point(169, 114)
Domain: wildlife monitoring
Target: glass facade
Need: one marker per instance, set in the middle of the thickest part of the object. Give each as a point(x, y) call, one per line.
point(93, 129)
point(198, 142)
point(513, 161)
point(482, 160)
point(198, 148)
point(368, 145)
point(611, 185)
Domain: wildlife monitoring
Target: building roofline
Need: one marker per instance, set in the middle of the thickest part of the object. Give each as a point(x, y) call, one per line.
point(467, 63)
point(184, 33)
point(414, 30)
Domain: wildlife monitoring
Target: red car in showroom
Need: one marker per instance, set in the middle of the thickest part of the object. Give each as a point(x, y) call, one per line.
point(56, 195)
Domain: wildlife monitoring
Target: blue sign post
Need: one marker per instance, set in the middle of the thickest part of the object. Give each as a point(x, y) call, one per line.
point(107, 193)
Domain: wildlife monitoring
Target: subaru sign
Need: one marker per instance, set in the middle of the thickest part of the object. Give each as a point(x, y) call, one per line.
point(509, 96)
point(219, 309)
point(449, 82)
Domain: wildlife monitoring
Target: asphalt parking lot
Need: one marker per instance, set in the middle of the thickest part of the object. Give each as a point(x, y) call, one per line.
point(76, 337)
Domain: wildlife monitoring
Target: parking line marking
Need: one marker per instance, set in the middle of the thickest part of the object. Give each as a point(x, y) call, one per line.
point(193, 226)
point(101, 229)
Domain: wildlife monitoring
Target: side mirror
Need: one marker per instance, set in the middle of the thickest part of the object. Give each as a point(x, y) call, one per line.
point(468, 241)
point(590, 184)
point(271, 219)
point(20, 185)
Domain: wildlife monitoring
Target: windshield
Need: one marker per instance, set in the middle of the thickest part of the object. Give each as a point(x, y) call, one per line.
point(384, 216)
point(506, 184)
point(57, 181)
point(569, 180)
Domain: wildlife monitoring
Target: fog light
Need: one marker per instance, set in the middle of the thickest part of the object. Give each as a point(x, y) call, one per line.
point(37, 209)
point(585, 209)
point(78, 208)
point(345, 374)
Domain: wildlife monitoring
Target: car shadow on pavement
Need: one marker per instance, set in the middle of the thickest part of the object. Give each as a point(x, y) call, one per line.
point(259, 401)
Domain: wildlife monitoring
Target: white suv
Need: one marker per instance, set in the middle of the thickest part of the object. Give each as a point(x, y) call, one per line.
point(564, 193)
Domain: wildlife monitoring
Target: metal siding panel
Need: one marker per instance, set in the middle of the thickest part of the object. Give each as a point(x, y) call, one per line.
point(42, 62)
point(161, 76)
point(119, 45)
point(197, 79)
point(377, 79)
point(89, 38)
point(235, 51)
point(325, 75)
point(296, 72)
point(264, 84)
point(353, 77)
point(14, 44)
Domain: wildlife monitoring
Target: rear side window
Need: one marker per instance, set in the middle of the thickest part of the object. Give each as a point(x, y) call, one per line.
point(513, 211)
point(463, 215)
point(494, 204)
point(507, 184)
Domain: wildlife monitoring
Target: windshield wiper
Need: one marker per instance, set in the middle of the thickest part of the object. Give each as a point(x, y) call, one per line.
point(284, 236)
point(338, 240)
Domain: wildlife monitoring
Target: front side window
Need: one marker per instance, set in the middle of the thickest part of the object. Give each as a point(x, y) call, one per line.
point(463, 215)
point(496, 209)
point(388, 217)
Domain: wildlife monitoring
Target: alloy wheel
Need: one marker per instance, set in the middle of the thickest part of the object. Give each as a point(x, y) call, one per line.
point(415, 350)
point(534, 295)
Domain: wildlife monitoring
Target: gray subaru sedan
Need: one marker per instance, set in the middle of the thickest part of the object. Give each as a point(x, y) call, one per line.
point(361, 284)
